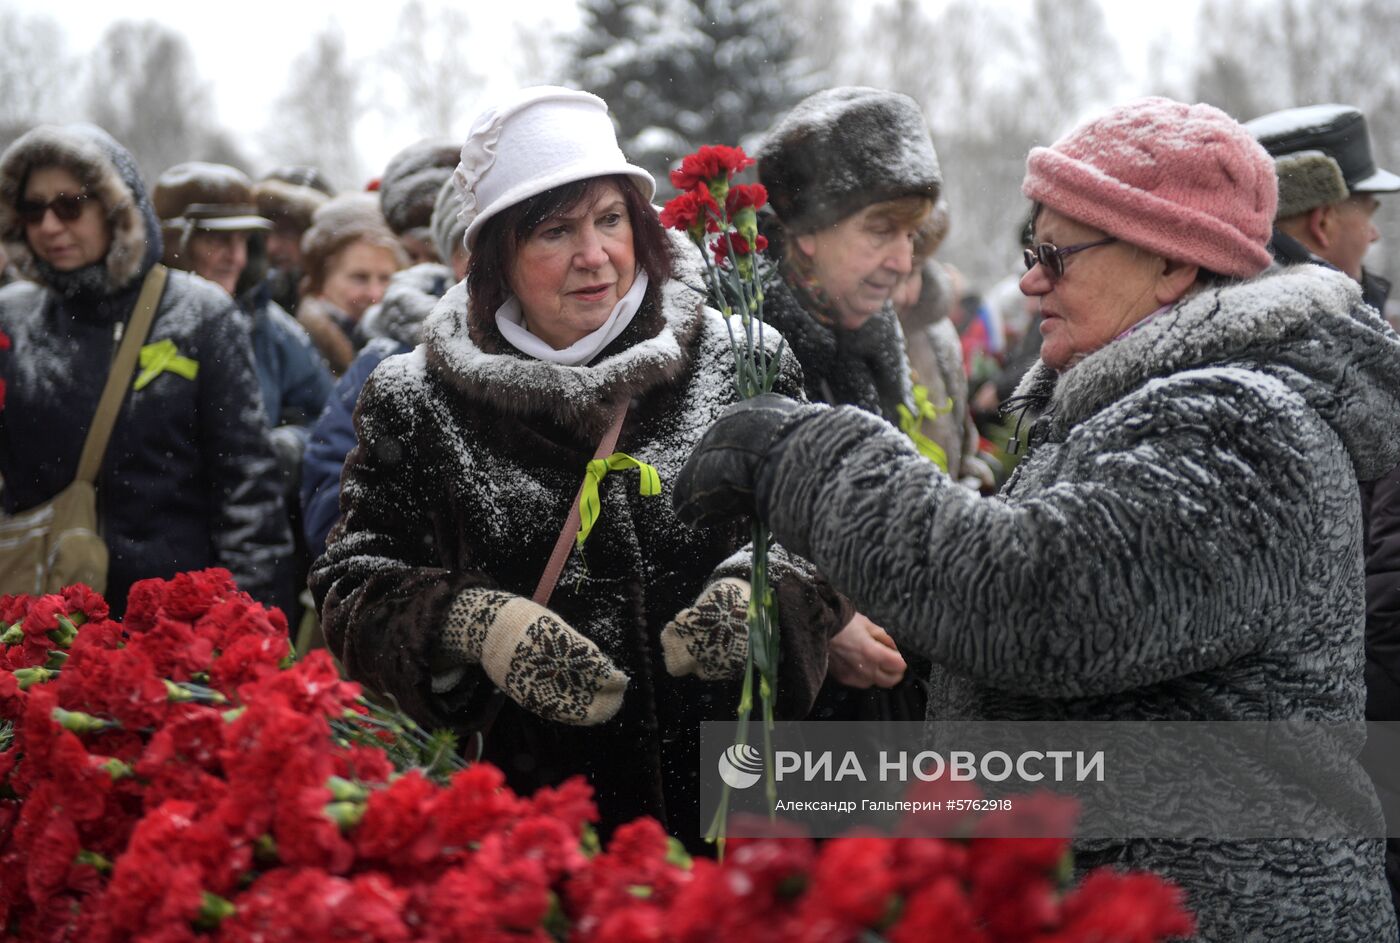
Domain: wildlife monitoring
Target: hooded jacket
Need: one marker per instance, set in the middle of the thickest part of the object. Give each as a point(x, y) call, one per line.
point(188, 480)
point(1182, 541)
point(468, 460)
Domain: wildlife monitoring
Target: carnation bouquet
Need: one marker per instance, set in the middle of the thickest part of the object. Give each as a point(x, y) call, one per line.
point(721, 218)
point(176, 777)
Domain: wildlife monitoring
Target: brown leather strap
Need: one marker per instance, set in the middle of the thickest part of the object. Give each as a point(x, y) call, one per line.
point(119, 379)
point(565, 543)
point(550, 577)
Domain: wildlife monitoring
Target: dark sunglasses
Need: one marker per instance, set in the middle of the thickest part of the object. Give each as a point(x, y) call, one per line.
point(65, 206)
point(1053, 259)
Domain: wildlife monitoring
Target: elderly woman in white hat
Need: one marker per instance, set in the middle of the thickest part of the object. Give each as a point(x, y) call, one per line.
point(457, 581)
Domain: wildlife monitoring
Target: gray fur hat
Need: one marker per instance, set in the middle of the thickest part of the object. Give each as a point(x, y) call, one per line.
point(300, 175)
point(1307, 179)
point(449, 229)
point(842, 149)
point(409, 187)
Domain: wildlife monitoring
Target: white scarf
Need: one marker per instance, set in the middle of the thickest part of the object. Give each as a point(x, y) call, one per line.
point(511, 322)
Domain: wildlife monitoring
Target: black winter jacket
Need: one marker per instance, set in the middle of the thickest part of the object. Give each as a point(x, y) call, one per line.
point(188, 480)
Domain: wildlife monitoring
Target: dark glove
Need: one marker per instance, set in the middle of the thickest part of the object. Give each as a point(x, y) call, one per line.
point(718, 480)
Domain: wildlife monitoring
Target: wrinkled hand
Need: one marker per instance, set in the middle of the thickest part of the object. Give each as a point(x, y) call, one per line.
point(717, 481)
point(863, 655)
point(710, 639)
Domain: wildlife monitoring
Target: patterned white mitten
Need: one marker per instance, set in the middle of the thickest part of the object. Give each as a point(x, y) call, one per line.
point(711, 638)
point(540, 661)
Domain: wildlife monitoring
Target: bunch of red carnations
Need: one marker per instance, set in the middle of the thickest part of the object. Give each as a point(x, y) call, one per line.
point(178, 777)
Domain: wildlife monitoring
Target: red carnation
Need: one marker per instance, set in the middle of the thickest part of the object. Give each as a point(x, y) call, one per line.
point(191, 595)
point(938, 911)
point(1124, 908)
point(852, 882)
point(84, 599)
point(745, 196)
point(720, 247)
point(690, 212)
point(398, 828)
point(571, 802)
point(709, 163)
point(475, 803)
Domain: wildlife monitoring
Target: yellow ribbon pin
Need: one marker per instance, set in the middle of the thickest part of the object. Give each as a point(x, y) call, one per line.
point(910, 420)
point(161, 356)
point(590, 507)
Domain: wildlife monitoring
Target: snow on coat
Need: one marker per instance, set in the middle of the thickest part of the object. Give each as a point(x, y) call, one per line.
point(1182, 541)
point(189, 478)
point(468, 460)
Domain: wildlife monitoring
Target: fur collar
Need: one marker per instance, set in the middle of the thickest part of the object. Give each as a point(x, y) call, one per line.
point(108, 171)
point(652, 351)
point(1305, 325)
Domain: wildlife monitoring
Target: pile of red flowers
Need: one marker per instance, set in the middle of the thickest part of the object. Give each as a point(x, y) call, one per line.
point(177, 777)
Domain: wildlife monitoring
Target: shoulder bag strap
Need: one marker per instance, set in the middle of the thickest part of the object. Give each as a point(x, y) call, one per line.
point(565, 543)
point(119, 379)
point(550, 577)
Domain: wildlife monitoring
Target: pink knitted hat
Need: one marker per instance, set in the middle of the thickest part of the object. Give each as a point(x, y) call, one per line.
point(1187, 182)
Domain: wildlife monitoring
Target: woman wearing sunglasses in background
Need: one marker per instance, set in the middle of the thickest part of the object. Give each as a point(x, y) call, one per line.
point(188, 479)
point(1182, 540)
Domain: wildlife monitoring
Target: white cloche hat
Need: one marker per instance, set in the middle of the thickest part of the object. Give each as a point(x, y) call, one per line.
point(532, 141)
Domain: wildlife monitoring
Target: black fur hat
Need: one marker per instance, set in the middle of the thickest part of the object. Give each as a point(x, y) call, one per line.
point(843, 149)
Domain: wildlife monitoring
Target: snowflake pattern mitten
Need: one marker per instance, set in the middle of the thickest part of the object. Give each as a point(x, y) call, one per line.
point(540, 661)
point(710, 639)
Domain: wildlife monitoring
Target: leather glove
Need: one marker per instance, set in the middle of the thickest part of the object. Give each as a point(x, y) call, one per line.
point(718, 480)
point(536, 658)
point(710, 639)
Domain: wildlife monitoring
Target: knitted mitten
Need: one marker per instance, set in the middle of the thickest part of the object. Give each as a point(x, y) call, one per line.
point(537, 659)
point(711, 638)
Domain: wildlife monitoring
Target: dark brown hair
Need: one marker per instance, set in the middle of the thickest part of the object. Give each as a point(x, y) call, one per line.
point(487, 273)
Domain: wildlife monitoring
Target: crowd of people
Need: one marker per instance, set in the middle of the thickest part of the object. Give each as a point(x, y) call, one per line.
point(1165, 483)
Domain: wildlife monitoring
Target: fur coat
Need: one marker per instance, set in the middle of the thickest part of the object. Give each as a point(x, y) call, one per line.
point(469, 455)
point(1181, 542)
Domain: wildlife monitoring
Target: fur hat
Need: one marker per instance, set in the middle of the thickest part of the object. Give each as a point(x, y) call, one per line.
point(843, 149)
point(300, 175)
point(105, 169)
point(340, 222)
point(411, 182)
point(1187, 182)
point(449, 229)
point(288, 204)
point(1307, 179)
point(1323, 155)
point(533, 141)
point(195, 196)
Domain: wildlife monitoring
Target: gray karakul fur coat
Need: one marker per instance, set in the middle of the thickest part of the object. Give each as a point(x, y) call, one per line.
point(1181, 542)
point(468, 460)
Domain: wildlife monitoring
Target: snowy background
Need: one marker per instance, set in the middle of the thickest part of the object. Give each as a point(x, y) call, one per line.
point(344, 86)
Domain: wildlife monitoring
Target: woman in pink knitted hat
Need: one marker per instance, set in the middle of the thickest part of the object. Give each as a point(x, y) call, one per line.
point(1182, 540)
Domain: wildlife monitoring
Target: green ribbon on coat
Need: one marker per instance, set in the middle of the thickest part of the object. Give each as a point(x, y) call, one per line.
point(589, 505)
point(910, 421)
point(160, 357)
